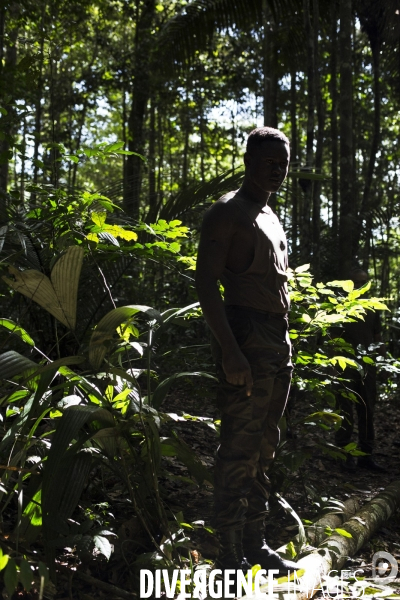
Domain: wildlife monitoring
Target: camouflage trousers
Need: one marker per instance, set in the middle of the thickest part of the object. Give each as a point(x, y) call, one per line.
point(249, 425)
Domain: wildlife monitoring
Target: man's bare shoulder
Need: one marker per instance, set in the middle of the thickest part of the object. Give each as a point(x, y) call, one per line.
point(224, 209)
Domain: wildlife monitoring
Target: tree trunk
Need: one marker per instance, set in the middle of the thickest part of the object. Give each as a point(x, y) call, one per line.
point(333, 553)
point(152, 157)
point(316, 220)
point(140, 97)
point(306, 184)
point(294, 158)
point(334, 124)
point(38, 107)
point(346, 232)
point(269, 68)
point(7, 75)
point(316, 532)
point(366, 205)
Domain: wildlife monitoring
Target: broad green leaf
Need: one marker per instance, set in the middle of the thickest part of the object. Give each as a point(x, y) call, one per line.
point(71, 157)
point(3, 560)
point(347, 285)
point(14, 328)
point(120, 232)
point(44, 572)
point(93, 237)
point(98, 218)
point(302, 268)
point(369, 361)
point(59, 295)
point(343, 532)
point(103, 545)
point(106, 329)
point(26, 574)
point(375, 303)
point(114, 146)
point(33, 510)
point(11, 576)
point(12, 363)
point(306, 318)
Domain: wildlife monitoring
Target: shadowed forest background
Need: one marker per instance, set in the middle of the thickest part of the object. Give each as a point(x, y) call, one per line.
point(121, 120)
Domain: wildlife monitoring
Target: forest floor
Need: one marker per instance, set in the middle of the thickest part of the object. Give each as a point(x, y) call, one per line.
point(321, 477)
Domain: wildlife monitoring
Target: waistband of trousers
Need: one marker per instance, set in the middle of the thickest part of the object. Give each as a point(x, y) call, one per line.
point(254, 311)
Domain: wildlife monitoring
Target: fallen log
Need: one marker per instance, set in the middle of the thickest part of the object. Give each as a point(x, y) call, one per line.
point(333, 553)
point(315, 533)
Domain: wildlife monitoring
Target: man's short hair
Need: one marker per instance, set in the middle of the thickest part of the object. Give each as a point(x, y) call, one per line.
point(265, 134)
point(356, 272)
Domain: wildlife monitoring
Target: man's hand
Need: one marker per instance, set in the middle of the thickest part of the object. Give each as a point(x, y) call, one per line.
point(237, 369)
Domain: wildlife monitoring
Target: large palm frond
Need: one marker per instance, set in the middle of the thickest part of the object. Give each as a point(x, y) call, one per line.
point(191, 30)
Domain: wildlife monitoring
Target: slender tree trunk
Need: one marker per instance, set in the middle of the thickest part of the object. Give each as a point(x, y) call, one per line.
point(294, 156)
point(152, 158)
point(38, 107)
point(202, 139)
point(140, 97)
point(305, 228)
point(3, 146)
point(269, 69)
point(186, 130)
point(334, 124)
point(366, 205)
point(320, 145)
point(346, 233)
point(2, 27)
point(7, 73)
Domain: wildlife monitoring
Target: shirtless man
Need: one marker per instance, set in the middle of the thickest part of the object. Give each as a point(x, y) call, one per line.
point(243, 245)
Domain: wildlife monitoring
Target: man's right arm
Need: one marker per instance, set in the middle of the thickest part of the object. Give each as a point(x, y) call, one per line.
point(217, 233)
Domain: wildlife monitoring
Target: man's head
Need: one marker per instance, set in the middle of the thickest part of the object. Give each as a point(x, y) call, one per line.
point(359, 277)
point(267, 158)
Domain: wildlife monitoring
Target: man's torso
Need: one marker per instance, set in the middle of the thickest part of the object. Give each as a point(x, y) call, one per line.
point(255, 273)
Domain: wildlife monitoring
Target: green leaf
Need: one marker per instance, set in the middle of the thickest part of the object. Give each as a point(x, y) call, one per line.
point(113, 147)
point(3, 560)
point(306, 318)
point(343, 533)
point(347, 285)
point(103, 545)
point(44, 572)
point(16, 329)
point(99, 218)
point(302, 268)
point(26, 574)
point(11, 577)
point(105, 330)
point(12, 363)
point(33, 510)
point(72, 158)
point(368, 360)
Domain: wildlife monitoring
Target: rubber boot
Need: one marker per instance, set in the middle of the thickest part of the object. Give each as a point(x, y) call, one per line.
point(258, 552)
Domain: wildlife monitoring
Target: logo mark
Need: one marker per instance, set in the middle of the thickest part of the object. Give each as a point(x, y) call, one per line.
point(381, 562)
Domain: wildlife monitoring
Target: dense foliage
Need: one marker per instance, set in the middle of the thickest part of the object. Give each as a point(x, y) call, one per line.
point(119, 121)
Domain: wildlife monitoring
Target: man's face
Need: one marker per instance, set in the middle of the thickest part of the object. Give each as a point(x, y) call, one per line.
point(267, 165)
point(360, 279)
